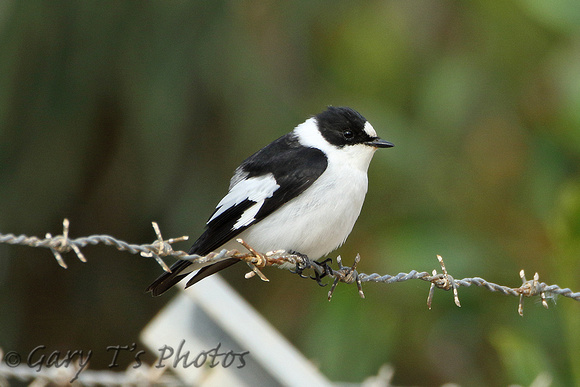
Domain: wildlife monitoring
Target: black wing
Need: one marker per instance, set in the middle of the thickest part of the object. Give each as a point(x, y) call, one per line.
point(294, 167)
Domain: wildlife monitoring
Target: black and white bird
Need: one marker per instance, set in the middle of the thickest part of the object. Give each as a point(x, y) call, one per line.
point(301, 193)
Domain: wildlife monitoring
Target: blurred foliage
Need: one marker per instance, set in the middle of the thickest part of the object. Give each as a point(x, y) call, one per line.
point(117, 113)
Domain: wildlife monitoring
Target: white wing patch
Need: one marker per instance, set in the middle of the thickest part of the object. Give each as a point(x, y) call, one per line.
point(248, 216)
point(256, 189)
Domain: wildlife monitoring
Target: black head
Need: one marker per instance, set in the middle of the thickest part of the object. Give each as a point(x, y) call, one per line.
point(342, 126)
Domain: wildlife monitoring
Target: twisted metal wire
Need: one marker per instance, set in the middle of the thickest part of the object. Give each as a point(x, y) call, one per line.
point(162, 248)
point(467, 282)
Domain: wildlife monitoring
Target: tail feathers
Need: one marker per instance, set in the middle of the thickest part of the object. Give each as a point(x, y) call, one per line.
point(167, 280)
point(209, 270)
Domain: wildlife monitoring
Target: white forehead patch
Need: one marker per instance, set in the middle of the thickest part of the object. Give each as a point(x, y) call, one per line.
point(370, 130)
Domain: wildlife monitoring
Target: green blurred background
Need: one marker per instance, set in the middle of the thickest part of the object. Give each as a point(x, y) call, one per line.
point(118, 113)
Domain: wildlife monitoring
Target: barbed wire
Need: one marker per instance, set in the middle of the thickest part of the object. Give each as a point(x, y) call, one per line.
point(161, 248)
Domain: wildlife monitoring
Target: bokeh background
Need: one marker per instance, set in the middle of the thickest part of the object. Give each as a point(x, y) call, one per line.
point(118, 113)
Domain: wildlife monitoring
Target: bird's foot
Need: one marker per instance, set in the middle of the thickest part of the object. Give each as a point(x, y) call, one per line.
point(301, 264)
point(321, 270)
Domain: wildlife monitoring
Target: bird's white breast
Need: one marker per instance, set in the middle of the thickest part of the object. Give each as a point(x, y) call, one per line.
point(316, 222)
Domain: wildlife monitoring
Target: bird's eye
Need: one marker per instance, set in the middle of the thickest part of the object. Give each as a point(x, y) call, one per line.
point(348, 134)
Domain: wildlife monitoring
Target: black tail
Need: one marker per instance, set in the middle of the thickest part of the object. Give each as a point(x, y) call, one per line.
point(167, 280)
point(211, 269)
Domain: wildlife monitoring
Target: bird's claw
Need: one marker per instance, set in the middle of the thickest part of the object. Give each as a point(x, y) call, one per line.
point(321, 269)
point(301, 264)
point(325, 268)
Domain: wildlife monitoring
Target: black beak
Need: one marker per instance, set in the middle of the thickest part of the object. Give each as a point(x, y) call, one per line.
point(379, 143)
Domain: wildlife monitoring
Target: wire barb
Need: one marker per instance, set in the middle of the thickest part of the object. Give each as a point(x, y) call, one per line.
point(346, 274)
point(62, 244)
point(529, 289)
point(162, 248)
point(442, 281)
point(254, 260)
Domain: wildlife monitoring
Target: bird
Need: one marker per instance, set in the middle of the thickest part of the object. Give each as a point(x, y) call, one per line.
point(301, 193)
